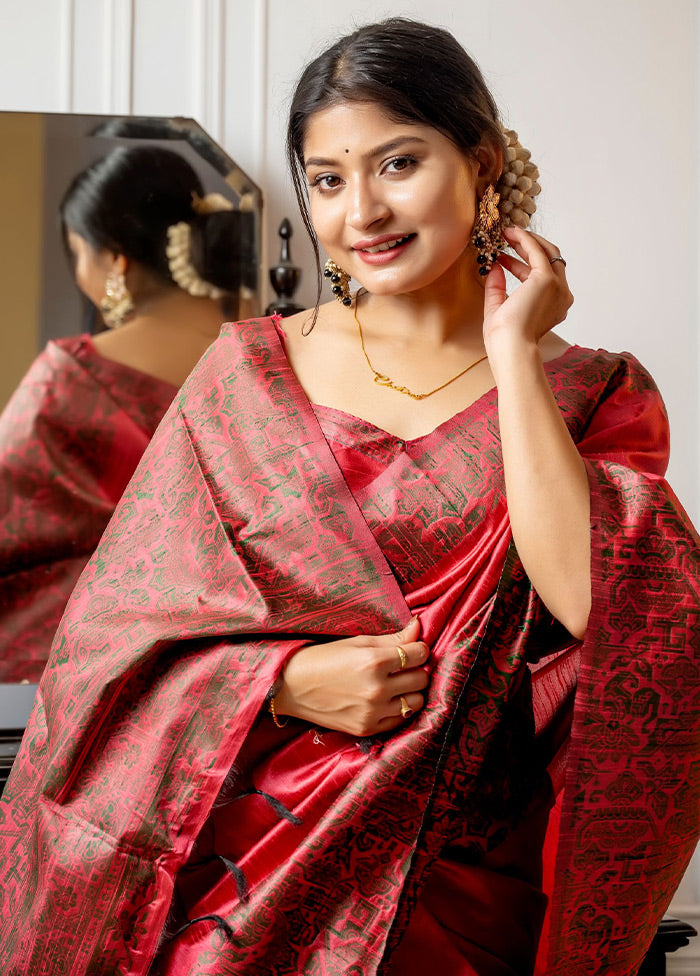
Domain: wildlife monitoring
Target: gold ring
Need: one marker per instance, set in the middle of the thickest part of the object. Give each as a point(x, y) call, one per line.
point(558, 258)
point(406, 709)
point(402, 656)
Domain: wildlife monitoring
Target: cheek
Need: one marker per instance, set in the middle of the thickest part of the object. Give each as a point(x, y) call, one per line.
point(89, 281)
point(327, 221)
point(456, 209)
point(81, 274)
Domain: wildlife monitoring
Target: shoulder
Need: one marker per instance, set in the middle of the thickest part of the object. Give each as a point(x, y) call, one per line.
point(601, 368)
point(58, 358)
point(319, 319)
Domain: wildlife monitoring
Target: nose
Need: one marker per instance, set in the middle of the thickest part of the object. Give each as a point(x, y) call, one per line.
point(366, 204)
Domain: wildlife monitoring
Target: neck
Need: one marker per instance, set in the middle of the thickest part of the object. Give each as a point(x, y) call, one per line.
point(174, 309)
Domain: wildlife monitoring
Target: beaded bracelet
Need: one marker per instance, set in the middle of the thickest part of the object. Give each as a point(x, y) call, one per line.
point(273, 711)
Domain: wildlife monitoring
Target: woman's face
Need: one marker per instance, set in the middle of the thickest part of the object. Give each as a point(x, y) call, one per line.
point(91, 267)
point(392, 203)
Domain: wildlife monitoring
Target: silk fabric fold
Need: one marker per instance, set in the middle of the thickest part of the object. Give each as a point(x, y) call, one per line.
point(70, 439)
point(239, 540)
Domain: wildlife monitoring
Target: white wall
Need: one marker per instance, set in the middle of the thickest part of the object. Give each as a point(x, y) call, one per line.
point(604, 93)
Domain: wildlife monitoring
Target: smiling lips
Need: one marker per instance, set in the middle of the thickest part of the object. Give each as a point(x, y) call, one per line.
point(381, 250)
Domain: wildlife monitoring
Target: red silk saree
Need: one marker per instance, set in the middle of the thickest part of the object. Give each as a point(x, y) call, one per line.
point(70, 439)
point(238, 540)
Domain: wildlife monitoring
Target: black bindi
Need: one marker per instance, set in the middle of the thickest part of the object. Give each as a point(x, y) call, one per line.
point(347, 150)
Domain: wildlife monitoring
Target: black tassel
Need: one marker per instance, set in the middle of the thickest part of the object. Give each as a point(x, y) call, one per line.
point(221, 923)
point(366, 744)
point(277, 805)
point(239, 877)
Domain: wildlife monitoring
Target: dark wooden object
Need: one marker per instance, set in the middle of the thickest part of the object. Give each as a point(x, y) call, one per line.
point(671, 934)
point(284, 276)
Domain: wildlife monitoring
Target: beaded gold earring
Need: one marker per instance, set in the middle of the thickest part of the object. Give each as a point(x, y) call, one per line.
point(340, 282)
point(487, 236)
point(117, 305)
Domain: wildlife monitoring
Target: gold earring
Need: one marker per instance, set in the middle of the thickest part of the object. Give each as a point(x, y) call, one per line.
point(117, 305)
point(340, 282)
point(487, 236)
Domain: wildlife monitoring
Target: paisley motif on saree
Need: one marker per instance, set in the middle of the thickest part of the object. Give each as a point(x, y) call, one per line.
point(238, 541)
point(70, 439)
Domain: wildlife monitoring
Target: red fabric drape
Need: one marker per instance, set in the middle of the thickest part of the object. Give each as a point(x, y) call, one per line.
point(70, 439)
point(238, 540)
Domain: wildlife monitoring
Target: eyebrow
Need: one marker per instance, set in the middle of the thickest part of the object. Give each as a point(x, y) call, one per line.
point(377, 151)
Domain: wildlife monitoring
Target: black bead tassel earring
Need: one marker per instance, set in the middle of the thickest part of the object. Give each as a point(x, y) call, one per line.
point(340, 282)
point(487, 237)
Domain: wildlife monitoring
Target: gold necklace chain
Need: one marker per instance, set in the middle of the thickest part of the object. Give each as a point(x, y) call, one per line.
point(383, 380)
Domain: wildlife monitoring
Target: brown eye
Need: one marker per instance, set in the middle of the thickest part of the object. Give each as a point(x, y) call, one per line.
point(327, 181)
point(399, 164)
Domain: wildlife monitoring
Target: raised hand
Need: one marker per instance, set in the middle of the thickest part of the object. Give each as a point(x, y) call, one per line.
point(539, 304)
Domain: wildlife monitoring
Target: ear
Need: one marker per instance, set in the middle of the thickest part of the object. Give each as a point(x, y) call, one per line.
point(119, 262)
point(489, 157)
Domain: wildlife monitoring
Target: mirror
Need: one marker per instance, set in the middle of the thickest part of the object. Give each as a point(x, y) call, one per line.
point(40, 153)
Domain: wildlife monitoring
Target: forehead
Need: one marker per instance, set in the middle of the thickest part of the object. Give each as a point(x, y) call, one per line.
point(357, 128)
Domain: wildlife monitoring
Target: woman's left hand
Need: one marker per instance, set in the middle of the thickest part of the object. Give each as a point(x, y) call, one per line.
point(539, 304)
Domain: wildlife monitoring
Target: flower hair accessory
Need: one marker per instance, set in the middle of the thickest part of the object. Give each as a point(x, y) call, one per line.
point(518, 184)
point(178, 249)
point(211, 203)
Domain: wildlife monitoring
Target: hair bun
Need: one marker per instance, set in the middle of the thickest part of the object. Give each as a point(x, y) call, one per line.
point(518, 184)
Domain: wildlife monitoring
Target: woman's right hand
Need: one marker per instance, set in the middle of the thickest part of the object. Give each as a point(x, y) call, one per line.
point(355, 685)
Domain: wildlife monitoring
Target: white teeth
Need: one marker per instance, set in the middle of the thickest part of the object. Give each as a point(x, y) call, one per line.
point(384, 247)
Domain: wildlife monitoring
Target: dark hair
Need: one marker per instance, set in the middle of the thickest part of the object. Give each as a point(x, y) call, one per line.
point(416, 73)
point(126, 201)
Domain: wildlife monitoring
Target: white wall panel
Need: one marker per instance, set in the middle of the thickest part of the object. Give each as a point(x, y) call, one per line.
point(35, 55)
point(165, 60)
point(245, 84)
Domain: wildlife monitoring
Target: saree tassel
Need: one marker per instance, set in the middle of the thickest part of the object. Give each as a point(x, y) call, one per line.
point(277, 805)
point(239, 877)
point(221, 923)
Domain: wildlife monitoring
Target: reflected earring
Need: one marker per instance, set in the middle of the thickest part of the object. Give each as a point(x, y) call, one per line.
point(117, 305)
point(487, 236)
point(340, 282)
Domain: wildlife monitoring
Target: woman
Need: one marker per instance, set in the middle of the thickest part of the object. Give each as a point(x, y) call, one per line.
point(76, 428)
point(349, 651)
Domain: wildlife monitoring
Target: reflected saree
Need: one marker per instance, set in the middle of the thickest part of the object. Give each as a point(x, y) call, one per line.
point(70, 439)
point(238, 541)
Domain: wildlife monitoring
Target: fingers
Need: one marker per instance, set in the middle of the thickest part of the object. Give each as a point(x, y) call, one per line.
point(495, 289)
point(534, 249)
point(353, 684)
point(407, 705)
point(403, 682)
point(403, 651)
point(517, 268)
point(410, 632)
point(401, 710)
point(405, 657)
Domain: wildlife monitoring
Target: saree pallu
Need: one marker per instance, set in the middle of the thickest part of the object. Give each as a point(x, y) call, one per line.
point(237, 542)
point(70, 439)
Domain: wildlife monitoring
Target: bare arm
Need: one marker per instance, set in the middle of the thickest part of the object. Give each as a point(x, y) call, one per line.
point(546, 484)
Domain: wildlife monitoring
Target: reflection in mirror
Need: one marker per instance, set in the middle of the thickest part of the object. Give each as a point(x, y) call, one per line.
point(39, 155)
point(160, 230)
